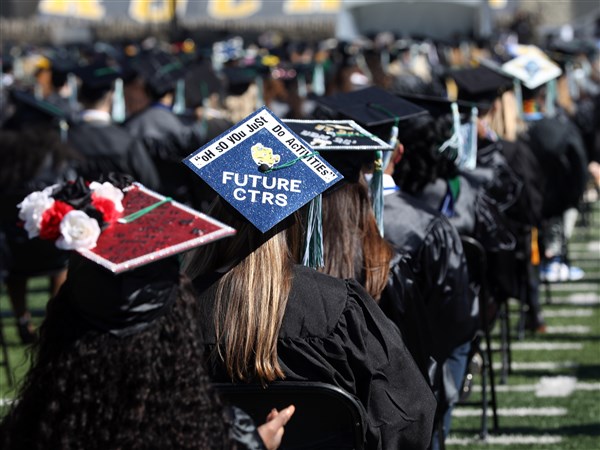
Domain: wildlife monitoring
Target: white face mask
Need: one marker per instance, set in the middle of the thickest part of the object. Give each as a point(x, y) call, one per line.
point(280, 109)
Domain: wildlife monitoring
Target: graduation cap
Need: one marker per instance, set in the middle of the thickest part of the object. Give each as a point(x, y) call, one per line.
point(480, 85)
point(160, 71)
point(370, 107)
point(123, 273)
point(117, 228)
point(532, 70)
point(266, 172)
point(30, 110)
point(97, 80)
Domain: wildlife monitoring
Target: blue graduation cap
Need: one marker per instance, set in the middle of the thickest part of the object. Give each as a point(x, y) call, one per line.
point(263, 169)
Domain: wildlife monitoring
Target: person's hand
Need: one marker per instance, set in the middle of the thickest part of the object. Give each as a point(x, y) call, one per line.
point(271, 432)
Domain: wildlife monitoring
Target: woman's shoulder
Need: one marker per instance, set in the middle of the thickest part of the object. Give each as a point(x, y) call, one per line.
point(317, 303)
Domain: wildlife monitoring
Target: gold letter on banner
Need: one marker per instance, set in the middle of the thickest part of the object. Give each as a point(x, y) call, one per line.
point(154, 11)
point(233, 9)
point(80, 9)
point(311, 6)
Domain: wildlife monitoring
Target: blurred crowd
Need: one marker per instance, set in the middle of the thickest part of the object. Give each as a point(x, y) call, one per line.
point(504, 148)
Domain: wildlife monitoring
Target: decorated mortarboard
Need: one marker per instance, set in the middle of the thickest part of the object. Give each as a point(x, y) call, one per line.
point(533, 70)
point(263, 169)
point(118, 229)
point(336, 135)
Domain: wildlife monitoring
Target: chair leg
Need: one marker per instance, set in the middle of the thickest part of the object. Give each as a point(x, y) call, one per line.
point(5, 362)
point(484, 402)
point(488, 353)
point(505, 342)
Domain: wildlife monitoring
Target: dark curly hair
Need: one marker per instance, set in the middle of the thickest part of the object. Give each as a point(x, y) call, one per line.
point(92, 390)
point(422, 162)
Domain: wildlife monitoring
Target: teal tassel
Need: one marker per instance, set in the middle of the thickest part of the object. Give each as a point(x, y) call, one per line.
point(385, 60)
point(260, 100)
point(519, 97)
point(377, 190)
point(318, 84)
point(302, 89)
point(179, 103)
point(471, 149)
point(393, 141)
point(313, 243)
point(72, 83)
point(118, 105)
point(551, 98)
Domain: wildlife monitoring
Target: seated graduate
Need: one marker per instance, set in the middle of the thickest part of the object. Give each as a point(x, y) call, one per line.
point(266, 318)
point(150, 83)
point(33, 156)
point(117, 363)
point(437, 314)
point(105, 146)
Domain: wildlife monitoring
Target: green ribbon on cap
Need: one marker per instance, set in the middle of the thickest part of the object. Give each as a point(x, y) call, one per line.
point(136, 215)
point(290, 162)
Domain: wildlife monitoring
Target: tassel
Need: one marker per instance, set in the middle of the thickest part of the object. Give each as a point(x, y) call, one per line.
point(64, 130)
point(518, 97)
point(535, 249)
point(318, 84)
point(118, 104)
point(179, 104)
point(376, 187)
point(551, 98)
point(313, 243)
point(385, 60)
point(302, 89)
point(72, 83)
point(260, 100)
point(469, 157)
point(393, 141)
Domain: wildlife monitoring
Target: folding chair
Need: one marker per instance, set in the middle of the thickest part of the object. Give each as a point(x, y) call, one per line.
point(477, 267)
point(326, 416)
point(3, 345)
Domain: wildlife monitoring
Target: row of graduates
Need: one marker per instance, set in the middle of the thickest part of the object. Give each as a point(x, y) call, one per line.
point(421, 275)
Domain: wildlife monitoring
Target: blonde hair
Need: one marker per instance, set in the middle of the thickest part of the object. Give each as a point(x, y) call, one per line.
point(251, 296)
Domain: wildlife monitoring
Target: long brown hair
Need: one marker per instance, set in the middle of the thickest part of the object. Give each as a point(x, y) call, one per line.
point(352, 245)
point(251, 296)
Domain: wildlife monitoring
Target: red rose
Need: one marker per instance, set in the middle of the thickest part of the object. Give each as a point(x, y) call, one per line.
point(51, 218)
point(106, 208)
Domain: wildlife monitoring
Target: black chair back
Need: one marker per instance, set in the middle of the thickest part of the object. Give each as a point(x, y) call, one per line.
point(326, 416)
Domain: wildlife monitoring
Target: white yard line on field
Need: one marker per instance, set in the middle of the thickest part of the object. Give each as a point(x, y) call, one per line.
point(512, 412)
point(507, 439)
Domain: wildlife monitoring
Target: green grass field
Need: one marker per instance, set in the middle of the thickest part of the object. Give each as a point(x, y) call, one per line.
point(550, 401)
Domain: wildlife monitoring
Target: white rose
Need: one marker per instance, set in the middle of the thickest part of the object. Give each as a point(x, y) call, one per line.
point(78, 231)
point(31, 210)
point(108, 191)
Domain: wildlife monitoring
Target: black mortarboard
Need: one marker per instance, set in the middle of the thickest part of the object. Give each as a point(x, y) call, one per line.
point(480, 85)
point(437, 106)
point(373, 108)
point(370, 107)
point(200, 82)
point(30, 110)
point(160, 71)
point(239, 78)
point(97, 80)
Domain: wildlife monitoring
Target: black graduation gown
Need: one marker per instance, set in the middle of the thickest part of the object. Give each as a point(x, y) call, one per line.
point(558, 146)
point(334, 332)
point(439, 267)
point(108, 148)
point(168, 140)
